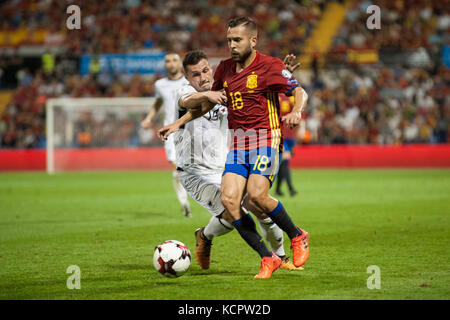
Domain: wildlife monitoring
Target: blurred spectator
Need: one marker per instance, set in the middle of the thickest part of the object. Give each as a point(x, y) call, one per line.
point(407, 102)
point(48, 63)
point(376, 105)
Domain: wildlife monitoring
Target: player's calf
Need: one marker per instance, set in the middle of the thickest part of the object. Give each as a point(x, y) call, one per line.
point(247, 229)
point(282, 219)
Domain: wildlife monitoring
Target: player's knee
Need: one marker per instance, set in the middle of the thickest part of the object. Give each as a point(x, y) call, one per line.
point(251, 207)
point(256, 198)
point(227, 216)
point(229, 202)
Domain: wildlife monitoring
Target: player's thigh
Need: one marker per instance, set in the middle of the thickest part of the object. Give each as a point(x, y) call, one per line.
point(264, 161)
point(257, 187)
point(232, 188)
point(237, 162)
point(204, 192)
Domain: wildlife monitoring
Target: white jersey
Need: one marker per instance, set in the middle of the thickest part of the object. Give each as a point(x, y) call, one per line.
point(201, 146)
point(166, 89)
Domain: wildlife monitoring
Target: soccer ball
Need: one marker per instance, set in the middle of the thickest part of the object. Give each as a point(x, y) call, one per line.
point(172, 258)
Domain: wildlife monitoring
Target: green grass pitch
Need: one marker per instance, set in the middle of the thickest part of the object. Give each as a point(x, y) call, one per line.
point(109, 223)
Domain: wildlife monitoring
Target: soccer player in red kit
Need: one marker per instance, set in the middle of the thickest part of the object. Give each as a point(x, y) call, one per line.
point(252, 82)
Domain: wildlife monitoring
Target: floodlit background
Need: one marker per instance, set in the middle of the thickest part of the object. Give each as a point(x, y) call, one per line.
point(378, 104)
point(380, 86)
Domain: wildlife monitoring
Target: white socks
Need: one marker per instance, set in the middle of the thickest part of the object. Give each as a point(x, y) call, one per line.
point(179, 190)
point(217, 227)
point(270, 231)
point(274, 236)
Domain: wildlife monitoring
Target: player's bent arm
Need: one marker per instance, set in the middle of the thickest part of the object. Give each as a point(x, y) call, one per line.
point(192, 114)
point(156, 107)
point(146, 123)
point(197, 98)
point(165, 132)
point(300, 99)
point(204, 108)
point(193, 100)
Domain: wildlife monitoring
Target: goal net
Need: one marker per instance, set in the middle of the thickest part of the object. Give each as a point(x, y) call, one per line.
point(98, 134)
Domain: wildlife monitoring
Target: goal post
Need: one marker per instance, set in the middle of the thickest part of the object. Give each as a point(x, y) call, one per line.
point(81, 133)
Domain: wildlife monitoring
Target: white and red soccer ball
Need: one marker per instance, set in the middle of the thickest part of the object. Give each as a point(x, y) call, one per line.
point(172, 258)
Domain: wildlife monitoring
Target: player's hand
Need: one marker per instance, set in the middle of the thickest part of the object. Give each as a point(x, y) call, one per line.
point(218, 97)
point(292, 119)
point(291, 62)
point(165, 132)
point(146, 124)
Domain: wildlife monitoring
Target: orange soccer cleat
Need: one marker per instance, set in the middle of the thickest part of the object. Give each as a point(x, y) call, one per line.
point(202, 249)
point(300, 248)
point(288, 265)
point(268, 266)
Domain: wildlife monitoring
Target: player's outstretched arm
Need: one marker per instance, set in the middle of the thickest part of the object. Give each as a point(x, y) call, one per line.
point(194, 100)
point(165, 132)
point(192, 114)
point(147, 122)
point(293, 118)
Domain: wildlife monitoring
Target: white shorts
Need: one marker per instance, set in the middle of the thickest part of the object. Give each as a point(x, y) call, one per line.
point(204, 189)
point(169, 147)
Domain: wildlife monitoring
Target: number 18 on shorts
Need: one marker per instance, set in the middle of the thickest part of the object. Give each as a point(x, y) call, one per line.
point(263, 161)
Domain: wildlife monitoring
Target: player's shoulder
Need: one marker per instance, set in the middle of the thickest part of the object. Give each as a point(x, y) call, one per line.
point(225, 63)
point(161, 82)
point(181, 81)
point(185, 89)
point(269, 60)
point(184, 81)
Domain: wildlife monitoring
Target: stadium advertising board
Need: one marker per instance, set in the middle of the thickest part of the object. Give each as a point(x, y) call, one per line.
point(142, 63)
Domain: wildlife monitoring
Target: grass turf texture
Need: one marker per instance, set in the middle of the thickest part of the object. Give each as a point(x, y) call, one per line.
point(109, 223)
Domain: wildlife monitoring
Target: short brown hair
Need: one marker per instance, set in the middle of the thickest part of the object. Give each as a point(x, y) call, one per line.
point(192, 58)
point(244, 21)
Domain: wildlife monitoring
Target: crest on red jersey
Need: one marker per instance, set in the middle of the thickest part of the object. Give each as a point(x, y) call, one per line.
point(252, 81)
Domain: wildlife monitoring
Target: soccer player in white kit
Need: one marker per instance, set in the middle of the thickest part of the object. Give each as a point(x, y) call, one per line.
point(201, 154)
point(165, 90)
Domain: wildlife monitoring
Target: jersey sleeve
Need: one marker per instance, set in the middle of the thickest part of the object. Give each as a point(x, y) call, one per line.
point(157, 90)
point(218, 83)
point(182, 92)
point(279, 79)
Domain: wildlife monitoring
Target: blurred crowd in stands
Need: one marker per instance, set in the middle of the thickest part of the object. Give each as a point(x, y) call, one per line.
point(113, 26)
point(379, 104)
point(406, 25)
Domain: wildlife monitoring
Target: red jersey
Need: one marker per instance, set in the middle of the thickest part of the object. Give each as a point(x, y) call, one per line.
point(253, 99)
point(286, 105)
